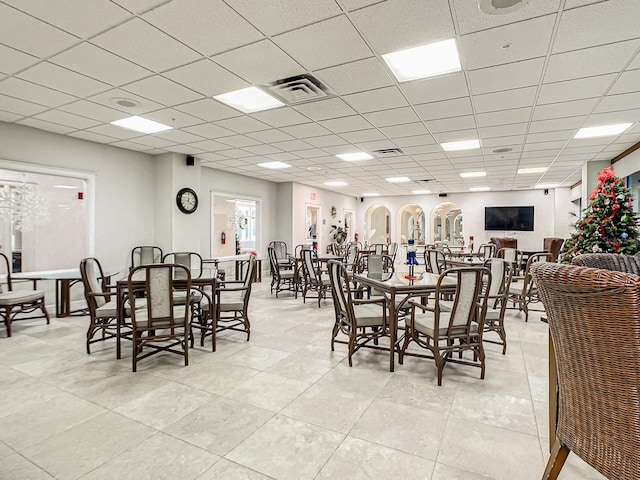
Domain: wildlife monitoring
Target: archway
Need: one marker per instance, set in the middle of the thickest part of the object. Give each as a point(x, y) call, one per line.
point(446, 221)
point(411, 224)
point(377, 223)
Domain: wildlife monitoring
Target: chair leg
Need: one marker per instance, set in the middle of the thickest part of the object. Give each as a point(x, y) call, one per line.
point(7, 320)
point(134, 344)
point(559, 454)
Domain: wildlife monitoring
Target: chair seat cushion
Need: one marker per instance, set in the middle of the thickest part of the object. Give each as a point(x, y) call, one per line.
point(492, 314)
point(369, 315)
point(16, 297)
point(231, 306)
point(180, 297)
point(110, 309)
point(287, 274)
point(425, 323)
point(142, 319)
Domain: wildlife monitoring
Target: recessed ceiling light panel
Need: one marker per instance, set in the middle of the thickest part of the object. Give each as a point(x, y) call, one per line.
point(473, 174)
point(274, 165)
point(426, 61)
point(371, 194)
point(602, 130)
point(479, 189)
point(421, 192)
point(336, 183)
point(525, 171)
point(70, 187)
point(398, 179)
point(249, 100)
point(460, 145)
point(549, 185)
point(142, 125)
point(354, 157)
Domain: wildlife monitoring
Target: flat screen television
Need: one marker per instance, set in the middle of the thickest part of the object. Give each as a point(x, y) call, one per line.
point(508, 218)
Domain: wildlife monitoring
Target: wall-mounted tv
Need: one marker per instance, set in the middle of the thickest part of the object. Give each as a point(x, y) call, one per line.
point(508, 218)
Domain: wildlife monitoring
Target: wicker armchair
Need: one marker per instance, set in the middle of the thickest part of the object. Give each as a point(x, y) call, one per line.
point(594, 321)
point(609, 261)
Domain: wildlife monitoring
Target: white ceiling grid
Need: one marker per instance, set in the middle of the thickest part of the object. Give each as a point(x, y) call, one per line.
point(529, 81)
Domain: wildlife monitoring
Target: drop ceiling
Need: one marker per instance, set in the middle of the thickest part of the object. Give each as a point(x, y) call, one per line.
point(529, 81)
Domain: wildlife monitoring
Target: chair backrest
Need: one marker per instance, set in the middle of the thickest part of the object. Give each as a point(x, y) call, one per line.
point(435, 260)
point(5, 269)
point(273, 261)
point(470, 299)
point(145, 255)
point(157, 283)
point(280, 248)
point(379, 248)
point(553, 245)
point(93, 282)
point(249, 277)
point(499, 269)
point(594, 320)
point(609, 261)
point(505, 242)
point(190, 260)
point(309, 265)
point(486, 250)
point(341, 292)
point(351, 260)
point(393, 250)
point(297, 252)
point(378, 266)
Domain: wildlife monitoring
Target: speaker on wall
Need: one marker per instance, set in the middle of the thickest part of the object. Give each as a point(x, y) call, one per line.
point(191, 161)
point(442, 194)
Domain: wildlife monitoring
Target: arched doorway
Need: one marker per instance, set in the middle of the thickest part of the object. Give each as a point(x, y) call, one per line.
point(446, 220)
point(411, 224)
point(377, 223)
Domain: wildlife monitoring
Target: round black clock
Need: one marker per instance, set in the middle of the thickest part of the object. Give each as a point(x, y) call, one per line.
point(187, 200)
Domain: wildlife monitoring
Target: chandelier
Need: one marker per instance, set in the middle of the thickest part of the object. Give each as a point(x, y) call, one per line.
point(23, 206)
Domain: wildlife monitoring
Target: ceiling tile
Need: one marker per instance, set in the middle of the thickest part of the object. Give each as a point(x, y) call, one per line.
point(197, 23)
point(590, 61)
point(628, 82)
point(366, 74)
point(15, 87)
point(209, 145)
point(97, 63)
point(325, 109)
point(155, 141)
point(262, 149)
point(281, 117)
point(58, 78)
point(277, 16)
point(109, 98)
point(374, 100)
point(326, 141)
point(339, 39)
point(259, 63)
point(19, 106)
point(490, 102)
point(436, 89)
point(162, 90)
point(139, 6)
point(607, 118)
point(238, 141)
point(243, 124)
point(174, 118)
point(346, 124)
point(92, 137)
point(78, 17)
point(471, 20)
point(557, 124)
point(586, 27)
point(270, 136)
point(623, 101)
point(48, 126)
point(565, 109)
point(506, 77)
point(209, 130)
point(503, 130)
point(551, 136)
point(14, 26)
point(504, 117)
point(68, 119)
point(575, 89)
point(368, 135)
point(391, 26)
point(178, 136)
point(145, 45)
point(406, 130)
point(12, 61)
point(291, 145)
point(394, 116)
point(451, 124)
point(208, 109)
point(445, 109)
point(207, 78)
point(306, 130)
point(113, 131)
point(527, 39)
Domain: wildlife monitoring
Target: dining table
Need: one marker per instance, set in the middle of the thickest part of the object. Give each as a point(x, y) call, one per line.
point(200, 280)
point(398, 288)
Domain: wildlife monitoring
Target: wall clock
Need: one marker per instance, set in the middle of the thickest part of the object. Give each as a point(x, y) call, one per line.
point(333, 212)
point(187, 200)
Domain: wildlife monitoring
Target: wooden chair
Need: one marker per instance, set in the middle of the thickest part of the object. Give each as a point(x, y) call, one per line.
point(435, 260)
point(486, 250)
point(162, 325)
point(553, 246)
point(145, 254)
point(609, 261)
point(594, 324)
point(522, 289)
point(281, 278)
point(497, 298)
point(460, 330)
point(314, 279)
point(18, 302)
point(232, 302)
point(190, 260)
point(283, 257)
point(363, 322)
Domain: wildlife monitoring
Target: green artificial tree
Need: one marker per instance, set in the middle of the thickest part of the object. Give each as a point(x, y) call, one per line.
point(608, 224)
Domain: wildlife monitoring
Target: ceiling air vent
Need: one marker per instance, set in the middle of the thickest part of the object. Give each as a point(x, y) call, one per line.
point(426, 180)
point(501, 7)
point(299, 89)
point(388, 152)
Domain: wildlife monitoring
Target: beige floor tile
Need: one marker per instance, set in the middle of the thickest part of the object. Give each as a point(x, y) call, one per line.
point(260, 358)
point(55, 363)
point(499, 381)
point(363, 381)
point(219, 425)
point(218, 377)
point(445, 472)
point(358, 459)
point(491, 451)
point(17, 467)
point(301, 367)
point(539, 388)
point(24, 394)
point(412, 430)
point(495, 409)
point(226, 470)
point(268, 391)
point(416, 391)
point(5, 450)
point(164, 405)
point(40, 421)
point(70, 454)
point(541, 410)
point(165, 457)
point(285, 449)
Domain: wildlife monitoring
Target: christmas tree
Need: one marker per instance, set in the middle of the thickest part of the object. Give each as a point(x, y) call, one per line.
point(608, 224)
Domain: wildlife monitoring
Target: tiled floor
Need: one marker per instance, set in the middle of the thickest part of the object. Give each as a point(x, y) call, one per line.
point(281, 406)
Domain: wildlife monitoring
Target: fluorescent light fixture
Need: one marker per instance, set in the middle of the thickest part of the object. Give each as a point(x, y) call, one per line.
point(421, 192)
point(460, 145)
point(524, 171)
point(142, 125)
point(425, 61)
point(549, 185)
point(479, 189)
point(274, 165)
point(473, 174)
point(602, 130)
point(70, 187)
point(249, 100)
point(398, 179)
point(371, 194)
point(336, 183)
point(354, 157)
